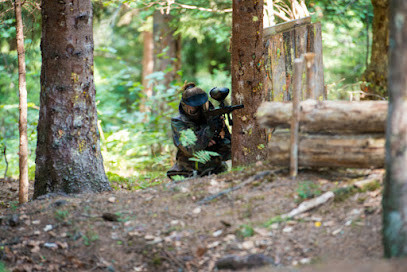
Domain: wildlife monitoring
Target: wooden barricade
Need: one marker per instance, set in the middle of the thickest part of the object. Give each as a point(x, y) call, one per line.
point(284, 43)
point(331, 133)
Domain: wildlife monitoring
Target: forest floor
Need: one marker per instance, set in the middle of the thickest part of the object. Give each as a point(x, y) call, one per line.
point(176, 227)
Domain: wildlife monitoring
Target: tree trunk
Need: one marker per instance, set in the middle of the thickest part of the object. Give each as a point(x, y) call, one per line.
point(148, 60)
point(148, 66)
point(68, 151)
point(361, 151)
point(395, 187)
point(167, 48)
point(342, 117)
point(23, 153)
point(247, 80)
point(376, 73)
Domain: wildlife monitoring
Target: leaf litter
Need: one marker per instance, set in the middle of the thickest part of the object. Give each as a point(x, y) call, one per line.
point(170, 228)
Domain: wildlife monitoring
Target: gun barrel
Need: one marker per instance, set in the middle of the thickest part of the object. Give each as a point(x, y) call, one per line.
point(223, 110)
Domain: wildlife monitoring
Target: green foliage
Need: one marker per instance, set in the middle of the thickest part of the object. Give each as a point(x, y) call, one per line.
point(2, 266)
point(276, 219)
point(136, 144)
point(308, 189)
point(178, 178)
point(344, 38)
point(245, 231)
point(203, 156)
point(343, 193)
point(90, 237)
point(188, 137)
point(61, 215)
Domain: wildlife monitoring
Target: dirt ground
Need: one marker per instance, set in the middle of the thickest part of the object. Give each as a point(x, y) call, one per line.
point(175, 226)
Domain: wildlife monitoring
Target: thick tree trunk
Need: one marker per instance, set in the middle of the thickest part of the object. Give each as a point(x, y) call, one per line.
point(68, 151)
point(247, 80)
point(376, 73)
point(23, 153)
point(342, 117)
point(395, 189)
point(362, 151)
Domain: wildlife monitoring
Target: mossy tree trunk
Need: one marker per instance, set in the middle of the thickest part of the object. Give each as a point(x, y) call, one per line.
point(68, 158)
point(248, 139)
point(376, 73)
point(395, 188)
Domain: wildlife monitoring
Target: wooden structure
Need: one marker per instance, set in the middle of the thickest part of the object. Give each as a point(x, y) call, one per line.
point(285, 42)
point(331, 133)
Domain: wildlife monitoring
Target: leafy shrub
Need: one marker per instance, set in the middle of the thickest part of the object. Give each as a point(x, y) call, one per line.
point(307, 189)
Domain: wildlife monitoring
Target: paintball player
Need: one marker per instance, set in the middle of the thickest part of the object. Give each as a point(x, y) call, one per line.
point(211, 135)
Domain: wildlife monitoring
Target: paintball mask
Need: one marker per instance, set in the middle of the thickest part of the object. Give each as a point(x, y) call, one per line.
point(194, 102)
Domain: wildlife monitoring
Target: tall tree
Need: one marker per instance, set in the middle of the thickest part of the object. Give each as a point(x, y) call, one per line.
point(23, 153)
point(68, 151)
point(248, 138)
point(167, 46)
point(148, 61)
point(395, 187)
point(376, 72)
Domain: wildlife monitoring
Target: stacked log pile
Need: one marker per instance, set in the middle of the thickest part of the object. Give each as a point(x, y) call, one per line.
point(332, 133)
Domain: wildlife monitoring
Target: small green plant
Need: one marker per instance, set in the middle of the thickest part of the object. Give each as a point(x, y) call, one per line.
point(178, 178)
point(13, 205)
point(343, 193)
point(307, 190)
point(276, 219)
point(203, 156)
point(89, 237)
point(3, 267)
point(245, 231)
point(61, 215)
point(187, 137)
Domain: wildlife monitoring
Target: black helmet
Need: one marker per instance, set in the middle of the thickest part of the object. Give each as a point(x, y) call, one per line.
point(194, 96)
point(194, 101)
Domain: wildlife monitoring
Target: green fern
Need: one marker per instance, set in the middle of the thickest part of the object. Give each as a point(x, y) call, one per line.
point(203, 156)
point(187, 137)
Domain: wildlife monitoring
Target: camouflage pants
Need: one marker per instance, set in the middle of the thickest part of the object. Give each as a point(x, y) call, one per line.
point(187, 168)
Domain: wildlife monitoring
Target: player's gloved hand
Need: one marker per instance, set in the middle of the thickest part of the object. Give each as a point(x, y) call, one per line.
point(216, 124)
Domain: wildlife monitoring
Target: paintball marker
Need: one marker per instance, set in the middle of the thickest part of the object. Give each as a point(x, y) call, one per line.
point(220, 94)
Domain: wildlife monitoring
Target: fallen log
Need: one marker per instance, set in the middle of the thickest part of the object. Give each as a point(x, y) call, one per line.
point(362, 151)
point(309, 204)
point(343, 117)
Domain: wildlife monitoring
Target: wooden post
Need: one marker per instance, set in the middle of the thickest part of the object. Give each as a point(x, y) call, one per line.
point(298, 68)
point(310, 64)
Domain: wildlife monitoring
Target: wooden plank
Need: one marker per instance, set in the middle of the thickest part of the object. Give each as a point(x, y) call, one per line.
point(298, 68)
point(310, 71)
point(278, 68)
point(279, 28)
point(319, 65)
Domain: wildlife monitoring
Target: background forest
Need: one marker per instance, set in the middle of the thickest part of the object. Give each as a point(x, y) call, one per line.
point(134, 122)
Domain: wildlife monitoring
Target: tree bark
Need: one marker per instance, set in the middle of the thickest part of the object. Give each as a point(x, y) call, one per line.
point(68, 147)
point(167, 48)
point(376, 73)
point(247, 80)
point(23, 153)
point(361, 151)
point(395, 187)
point(342, 117)
point(148, 66)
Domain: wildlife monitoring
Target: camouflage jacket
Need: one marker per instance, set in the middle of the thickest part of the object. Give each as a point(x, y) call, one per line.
point(204, 134)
